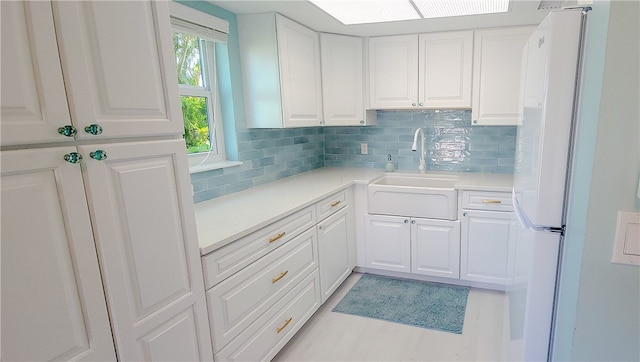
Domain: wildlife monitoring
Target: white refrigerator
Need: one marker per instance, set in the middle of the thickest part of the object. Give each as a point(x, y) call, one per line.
point(550, 93)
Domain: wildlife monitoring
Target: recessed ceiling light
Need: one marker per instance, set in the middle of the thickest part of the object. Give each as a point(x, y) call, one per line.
point(350, 12)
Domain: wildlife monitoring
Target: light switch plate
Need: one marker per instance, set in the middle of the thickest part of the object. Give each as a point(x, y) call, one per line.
point(626, 247)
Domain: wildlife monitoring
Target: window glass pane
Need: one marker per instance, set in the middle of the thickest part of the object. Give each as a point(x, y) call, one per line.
point(188, 59)
point(196, 124)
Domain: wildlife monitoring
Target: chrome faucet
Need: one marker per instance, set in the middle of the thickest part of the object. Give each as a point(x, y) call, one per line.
point(414, 147)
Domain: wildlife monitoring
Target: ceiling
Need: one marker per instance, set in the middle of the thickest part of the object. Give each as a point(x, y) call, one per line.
point(521, 12)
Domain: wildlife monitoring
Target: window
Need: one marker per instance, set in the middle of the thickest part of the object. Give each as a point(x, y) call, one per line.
point(195, 35)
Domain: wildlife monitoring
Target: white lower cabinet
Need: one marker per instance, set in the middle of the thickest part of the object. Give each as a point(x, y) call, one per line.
point(334, 236)
point(225, 262)
point(238, 301)
point(487, 246)
point(53, 304)
point(413, 245)
point(479, 248)
point(265, 285)
point(145, 234)
point(435, 247)
point(388, 243)
point(71, 229)
point(273, 329)
point(488, 238)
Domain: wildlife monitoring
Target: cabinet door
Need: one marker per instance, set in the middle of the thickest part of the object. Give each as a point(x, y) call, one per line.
point(435, 247)
point(393, 72)
point(144, 224)
point(445, 69)
point(53, 305)
point(119, 67)
point(487, 246)
point(497, 61)
point(34, 102)
point(388, 240)
point(333, 251)
point(299, 53)
point(342, 80)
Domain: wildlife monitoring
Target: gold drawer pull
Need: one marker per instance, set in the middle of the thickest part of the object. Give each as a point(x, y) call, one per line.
point(491, 201)
point(274, 280)
point(286, 323)
point(335, 203)
point(277, 237)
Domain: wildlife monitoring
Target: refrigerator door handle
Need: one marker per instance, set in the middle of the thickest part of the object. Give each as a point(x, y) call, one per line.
point(521, 215)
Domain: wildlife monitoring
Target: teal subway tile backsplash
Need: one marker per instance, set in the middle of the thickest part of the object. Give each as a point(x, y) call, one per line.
point(452, 144)
point(267, 155)
point(271, 154)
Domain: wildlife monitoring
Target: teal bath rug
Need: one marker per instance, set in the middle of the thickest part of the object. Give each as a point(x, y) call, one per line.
point(415, 303)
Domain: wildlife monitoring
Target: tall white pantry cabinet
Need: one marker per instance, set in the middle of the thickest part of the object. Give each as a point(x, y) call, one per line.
point(99, 257)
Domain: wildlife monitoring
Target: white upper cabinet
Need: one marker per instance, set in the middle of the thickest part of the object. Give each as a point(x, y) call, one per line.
point(280, 62)
point(300, 70)
point(122, 77)
point(34, 103)
point(343, 81)
point(445, 64)
point(393, 72)
point(497, 62)
point(421, 71)
point(115, 79)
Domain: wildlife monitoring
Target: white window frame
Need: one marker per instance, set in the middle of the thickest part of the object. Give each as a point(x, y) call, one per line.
point(211, 29)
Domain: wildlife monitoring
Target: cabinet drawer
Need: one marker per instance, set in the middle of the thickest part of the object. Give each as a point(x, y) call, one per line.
point(263, 340)
point(235, 303)
point(332, 204)
point(487, 200)
point(228, 260)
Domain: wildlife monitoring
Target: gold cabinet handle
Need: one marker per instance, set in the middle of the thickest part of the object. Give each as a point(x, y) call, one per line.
point(491, 201)
point(286, 323)
point(277, 237)
point(335, 204)
point(274, 280)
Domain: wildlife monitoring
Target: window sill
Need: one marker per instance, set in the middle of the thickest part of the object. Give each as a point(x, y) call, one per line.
point(214, 166)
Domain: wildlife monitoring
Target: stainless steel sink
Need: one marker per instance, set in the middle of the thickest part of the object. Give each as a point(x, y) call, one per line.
point(415, 195)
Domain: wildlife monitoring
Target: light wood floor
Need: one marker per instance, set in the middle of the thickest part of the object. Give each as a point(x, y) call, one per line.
point(331, 336)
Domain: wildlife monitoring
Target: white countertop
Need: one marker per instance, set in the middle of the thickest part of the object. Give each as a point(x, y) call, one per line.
point(225, 219)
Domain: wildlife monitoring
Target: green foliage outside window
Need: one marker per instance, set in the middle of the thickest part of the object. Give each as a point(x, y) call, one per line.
point(196, 126)
point(194, 109)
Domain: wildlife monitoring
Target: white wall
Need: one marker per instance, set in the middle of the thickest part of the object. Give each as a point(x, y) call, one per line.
point(599, 302)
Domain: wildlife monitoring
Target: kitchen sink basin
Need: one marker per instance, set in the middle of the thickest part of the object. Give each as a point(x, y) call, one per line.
point(411, 180)
point(414, 195)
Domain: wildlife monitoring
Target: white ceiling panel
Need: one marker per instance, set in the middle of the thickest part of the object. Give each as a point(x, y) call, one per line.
point(521, 12)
